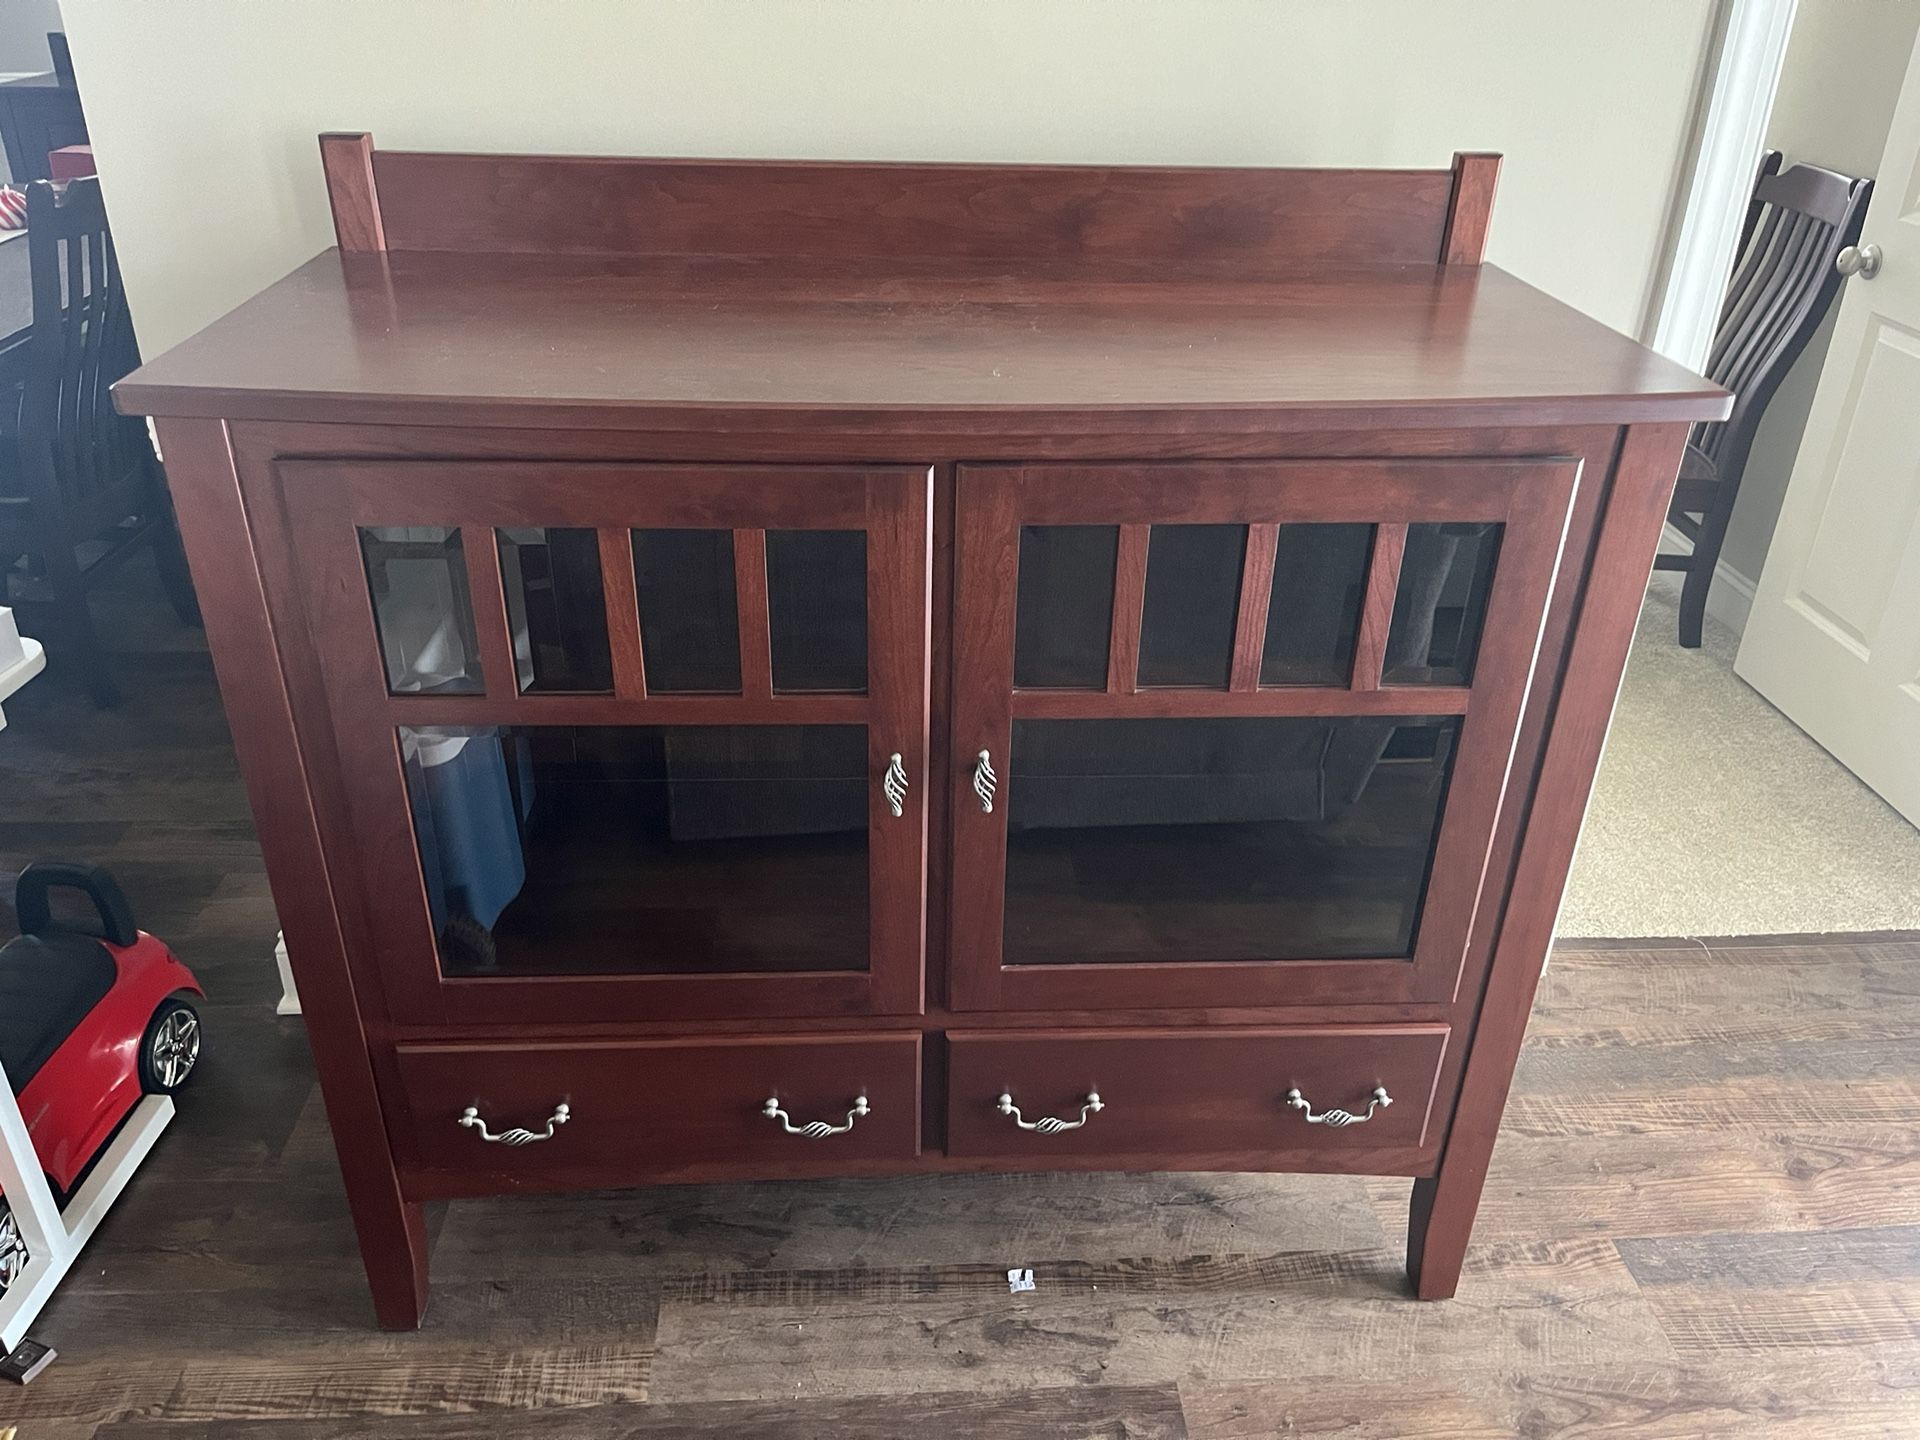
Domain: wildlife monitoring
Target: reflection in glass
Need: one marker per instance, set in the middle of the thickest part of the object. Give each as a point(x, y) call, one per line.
point(1442, 604)
point(817, 609)
point(1063, 618)
point(1221, 839)
point(422, 607)
point(1313, 617)
point(1193, 597)
point(556, 609)
point(556, 850)
point(689, 613)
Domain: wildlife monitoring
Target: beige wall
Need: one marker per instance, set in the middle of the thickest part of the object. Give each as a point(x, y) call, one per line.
point(1845, 63)
point(203, 112)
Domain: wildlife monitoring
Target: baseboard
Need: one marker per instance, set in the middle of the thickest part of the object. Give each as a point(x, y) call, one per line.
point(1730, 597)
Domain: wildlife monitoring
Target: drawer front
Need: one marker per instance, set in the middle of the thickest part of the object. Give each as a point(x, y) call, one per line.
point(639, 1110)
point(1168, 1097)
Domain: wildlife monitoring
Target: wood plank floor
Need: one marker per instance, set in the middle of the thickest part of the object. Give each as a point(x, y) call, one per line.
point(1703, 1219)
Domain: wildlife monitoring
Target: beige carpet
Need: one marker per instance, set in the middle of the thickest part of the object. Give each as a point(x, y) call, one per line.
point(1715, 815)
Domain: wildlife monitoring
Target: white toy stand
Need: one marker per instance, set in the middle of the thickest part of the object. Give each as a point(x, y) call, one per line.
point(54, 1237)
point(20, 660)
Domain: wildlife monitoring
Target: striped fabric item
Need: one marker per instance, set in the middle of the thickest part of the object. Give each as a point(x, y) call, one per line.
point(13, 208)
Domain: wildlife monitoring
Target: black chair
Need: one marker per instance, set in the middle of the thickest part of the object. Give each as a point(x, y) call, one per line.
point(80, 488)
point(1784, 282)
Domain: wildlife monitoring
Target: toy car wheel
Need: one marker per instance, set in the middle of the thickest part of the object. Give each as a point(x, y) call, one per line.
point(171, 1048)
point(13, 1248)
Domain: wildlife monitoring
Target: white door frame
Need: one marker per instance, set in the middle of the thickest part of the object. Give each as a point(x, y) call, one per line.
point(1732, 129)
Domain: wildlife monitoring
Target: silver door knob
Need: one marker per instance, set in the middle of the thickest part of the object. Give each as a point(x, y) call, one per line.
point(1861, 260)
point(894, 786)
point(984, 781)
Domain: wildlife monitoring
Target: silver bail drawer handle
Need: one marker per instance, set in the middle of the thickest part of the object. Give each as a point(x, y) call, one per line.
point(1052, 1124)
point(1337, 1117)
point(470, 1119)
point(814, 1129)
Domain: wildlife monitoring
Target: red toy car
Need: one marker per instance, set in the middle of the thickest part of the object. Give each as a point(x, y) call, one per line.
point(90, 1021)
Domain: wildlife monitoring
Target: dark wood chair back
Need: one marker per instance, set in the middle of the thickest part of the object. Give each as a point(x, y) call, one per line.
point(1784, 280)
point(82, 341)
point(62, 56)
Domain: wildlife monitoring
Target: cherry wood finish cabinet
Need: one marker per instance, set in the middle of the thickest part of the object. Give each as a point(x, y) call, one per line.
point(772, 669)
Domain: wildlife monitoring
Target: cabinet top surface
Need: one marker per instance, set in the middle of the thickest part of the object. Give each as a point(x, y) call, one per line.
point(417, 337)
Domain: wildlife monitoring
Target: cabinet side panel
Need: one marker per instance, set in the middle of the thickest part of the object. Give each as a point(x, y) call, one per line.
point(1608, 605)
point(219, 542)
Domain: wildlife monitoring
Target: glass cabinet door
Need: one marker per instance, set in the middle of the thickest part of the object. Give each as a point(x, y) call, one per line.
point(660, 753)
point(1241, 737)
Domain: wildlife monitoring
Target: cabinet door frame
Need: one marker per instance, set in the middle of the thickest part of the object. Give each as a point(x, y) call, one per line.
point(1530, 498)
point(327, 501)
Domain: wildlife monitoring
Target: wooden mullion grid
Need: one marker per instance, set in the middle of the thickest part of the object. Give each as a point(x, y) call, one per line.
point(621, 590)
point(756, 642)
point(493, 631)
point(603, 709)
point(1376, 610)
point(1278, 700)
point(1256, 593)
point(1129, 603)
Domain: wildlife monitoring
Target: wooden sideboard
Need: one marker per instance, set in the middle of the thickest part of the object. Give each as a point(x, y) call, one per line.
point(777, 669)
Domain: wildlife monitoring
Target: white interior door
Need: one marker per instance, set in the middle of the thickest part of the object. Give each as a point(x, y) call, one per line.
point(1834, 638)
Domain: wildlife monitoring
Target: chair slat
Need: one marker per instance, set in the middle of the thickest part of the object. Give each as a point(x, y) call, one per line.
point(1752, 260)
point(1745, 315)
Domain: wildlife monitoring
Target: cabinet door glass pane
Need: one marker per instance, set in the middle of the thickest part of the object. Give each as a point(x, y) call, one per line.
point(560, 850)
point(689, 610)
point(1063, 618)
point(556, 609)
point(1313, 616)
point(1221, 839)
point(1193, 597)
point(1444, 580)
point(417, 577)
point(817, 609)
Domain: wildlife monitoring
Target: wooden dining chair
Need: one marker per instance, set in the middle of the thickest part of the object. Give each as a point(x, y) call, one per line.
point(1785, 278)
point(80, 487)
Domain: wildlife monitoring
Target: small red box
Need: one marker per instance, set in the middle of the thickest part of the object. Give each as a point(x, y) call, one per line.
point(70, 162)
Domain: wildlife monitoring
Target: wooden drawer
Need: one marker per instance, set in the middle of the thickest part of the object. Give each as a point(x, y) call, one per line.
point(653, 1110)
point(1213, 1099)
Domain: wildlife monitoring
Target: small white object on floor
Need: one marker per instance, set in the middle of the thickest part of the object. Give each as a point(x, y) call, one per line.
point(1018, 1280)
point(20, 659)
point(289, 996)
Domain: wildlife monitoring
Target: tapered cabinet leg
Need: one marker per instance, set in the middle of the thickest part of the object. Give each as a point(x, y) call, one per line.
point(220, 543)
point(1439, 1225)
point(394, 1247)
